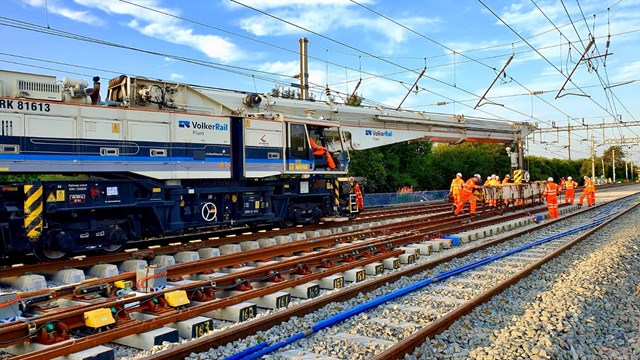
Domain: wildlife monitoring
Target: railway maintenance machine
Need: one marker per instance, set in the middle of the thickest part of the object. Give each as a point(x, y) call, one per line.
point(162, 158)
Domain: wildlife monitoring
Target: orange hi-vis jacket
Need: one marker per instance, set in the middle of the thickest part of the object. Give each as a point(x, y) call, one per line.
point(588, 187)
point(570, 184)
point(456, 184)
point(551, 192)
point(469, 186)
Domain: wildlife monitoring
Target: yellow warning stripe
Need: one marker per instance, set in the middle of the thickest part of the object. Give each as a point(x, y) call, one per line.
point(517, 176)
point(33, 211)
point(336, 192)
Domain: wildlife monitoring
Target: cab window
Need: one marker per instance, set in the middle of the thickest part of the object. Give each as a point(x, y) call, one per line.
point(298, 143)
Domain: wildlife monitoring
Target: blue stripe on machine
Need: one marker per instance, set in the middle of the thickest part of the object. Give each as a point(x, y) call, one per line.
point(58, 157)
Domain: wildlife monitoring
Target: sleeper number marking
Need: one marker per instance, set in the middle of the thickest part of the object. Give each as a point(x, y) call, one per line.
point(24, 105)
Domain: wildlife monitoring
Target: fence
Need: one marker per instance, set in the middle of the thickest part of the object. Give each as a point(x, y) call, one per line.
point(404, 198)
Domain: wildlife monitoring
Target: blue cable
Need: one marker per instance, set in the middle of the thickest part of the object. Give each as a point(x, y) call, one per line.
point(255, 352)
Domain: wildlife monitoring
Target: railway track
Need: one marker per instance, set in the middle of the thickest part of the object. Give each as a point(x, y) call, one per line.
point(323, 262)
point(98, 295)
point(297, 320)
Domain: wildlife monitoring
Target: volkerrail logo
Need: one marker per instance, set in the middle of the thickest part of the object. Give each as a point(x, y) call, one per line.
point(200, 125)
point(369, 132)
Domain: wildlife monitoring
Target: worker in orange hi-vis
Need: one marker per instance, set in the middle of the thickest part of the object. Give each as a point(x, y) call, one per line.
point(505, 181)
point(488, 193)
point(359, 196)
point(591, 199)
point(588, 191)
point(495, 184)
point(551, 191)
point(456, 188)
point(322, 151)
point(562, 185)
point(467, 195)
point(571, 186)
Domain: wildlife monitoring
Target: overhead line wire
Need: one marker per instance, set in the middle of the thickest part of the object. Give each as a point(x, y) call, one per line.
point(542, 56)
point(376, 57)
point(453, 51)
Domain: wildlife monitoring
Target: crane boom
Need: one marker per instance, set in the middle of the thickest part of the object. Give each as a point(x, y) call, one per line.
point(368, 127)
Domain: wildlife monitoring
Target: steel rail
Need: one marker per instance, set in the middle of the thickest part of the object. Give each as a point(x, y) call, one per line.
point(73, 317)
point(134, 253)
point(137, 326)
point(394, 237)
point(241, 331)
point(408, 345)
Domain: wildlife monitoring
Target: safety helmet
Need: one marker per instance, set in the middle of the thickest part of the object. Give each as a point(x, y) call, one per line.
point(569, 178)
point(586, 177)
point(493, 176)
point(459, 175)
point(507, 176)
point(478, 176)
point(550, 179)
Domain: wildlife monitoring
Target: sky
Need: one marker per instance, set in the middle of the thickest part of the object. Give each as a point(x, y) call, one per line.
point(253, 45)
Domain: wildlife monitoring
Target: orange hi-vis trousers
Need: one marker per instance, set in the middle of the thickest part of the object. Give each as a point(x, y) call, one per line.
point(552, 205)
point(569, 196)
point(466, 196)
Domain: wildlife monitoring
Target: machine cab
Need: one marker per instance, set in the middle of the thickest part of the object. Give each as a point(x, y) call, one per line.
point(316, 147)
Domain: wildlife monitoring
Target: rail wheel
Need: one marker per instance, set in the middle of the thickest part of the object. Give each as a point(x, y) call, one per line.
point(47, 252)
point(117, 241)
point(286, 223)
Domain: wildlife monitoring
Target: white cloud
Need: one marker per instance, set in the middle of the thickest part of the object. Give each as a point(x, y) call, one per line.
point(290, 68)
point(628, 72)
point(149, 23)
point(175, 76)
point(167, 28)
point(271, 4)
point(54, 7)
point(326, 17)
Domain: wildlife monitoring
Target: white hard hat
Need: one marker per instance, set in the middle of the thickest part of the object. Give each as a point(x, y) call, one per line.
point(493, 176)
point(586, 177)
point(478, 176)
point(458, 174)
point(550, 179)
point(507, 175)
point(569, 178)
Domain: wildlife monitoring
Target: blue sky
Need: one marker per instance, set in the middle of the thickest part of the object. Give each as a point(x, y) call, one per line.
point(386, 43)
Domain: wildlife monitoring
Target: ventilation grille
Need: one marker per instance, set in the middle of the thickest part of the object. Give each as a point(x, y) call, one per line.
point(38, 90)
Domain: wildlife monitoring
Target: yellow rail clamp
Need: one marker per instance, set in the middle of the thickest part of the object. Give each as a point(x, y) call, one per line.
point(122, 284)
point(176, 298)
point(98, 318)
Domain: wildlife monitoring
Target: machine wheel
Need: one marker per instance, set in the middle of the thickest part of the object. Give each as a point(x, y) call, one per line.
point(117, 241)
point(287, 223)
point(46, 254)
point(47, 250)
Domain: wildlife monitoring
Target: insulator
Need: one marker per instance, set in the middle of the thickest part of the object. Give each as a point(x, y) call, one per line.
point(327, 91)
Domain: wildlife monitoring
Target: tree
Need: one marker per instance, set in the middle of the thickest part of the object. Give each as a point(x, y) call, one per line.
point(608, 157)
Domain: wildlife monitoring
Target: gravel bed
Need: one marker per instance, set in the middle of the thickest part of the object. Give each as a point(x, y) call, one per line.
point(355, 350)
point(582, 305)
